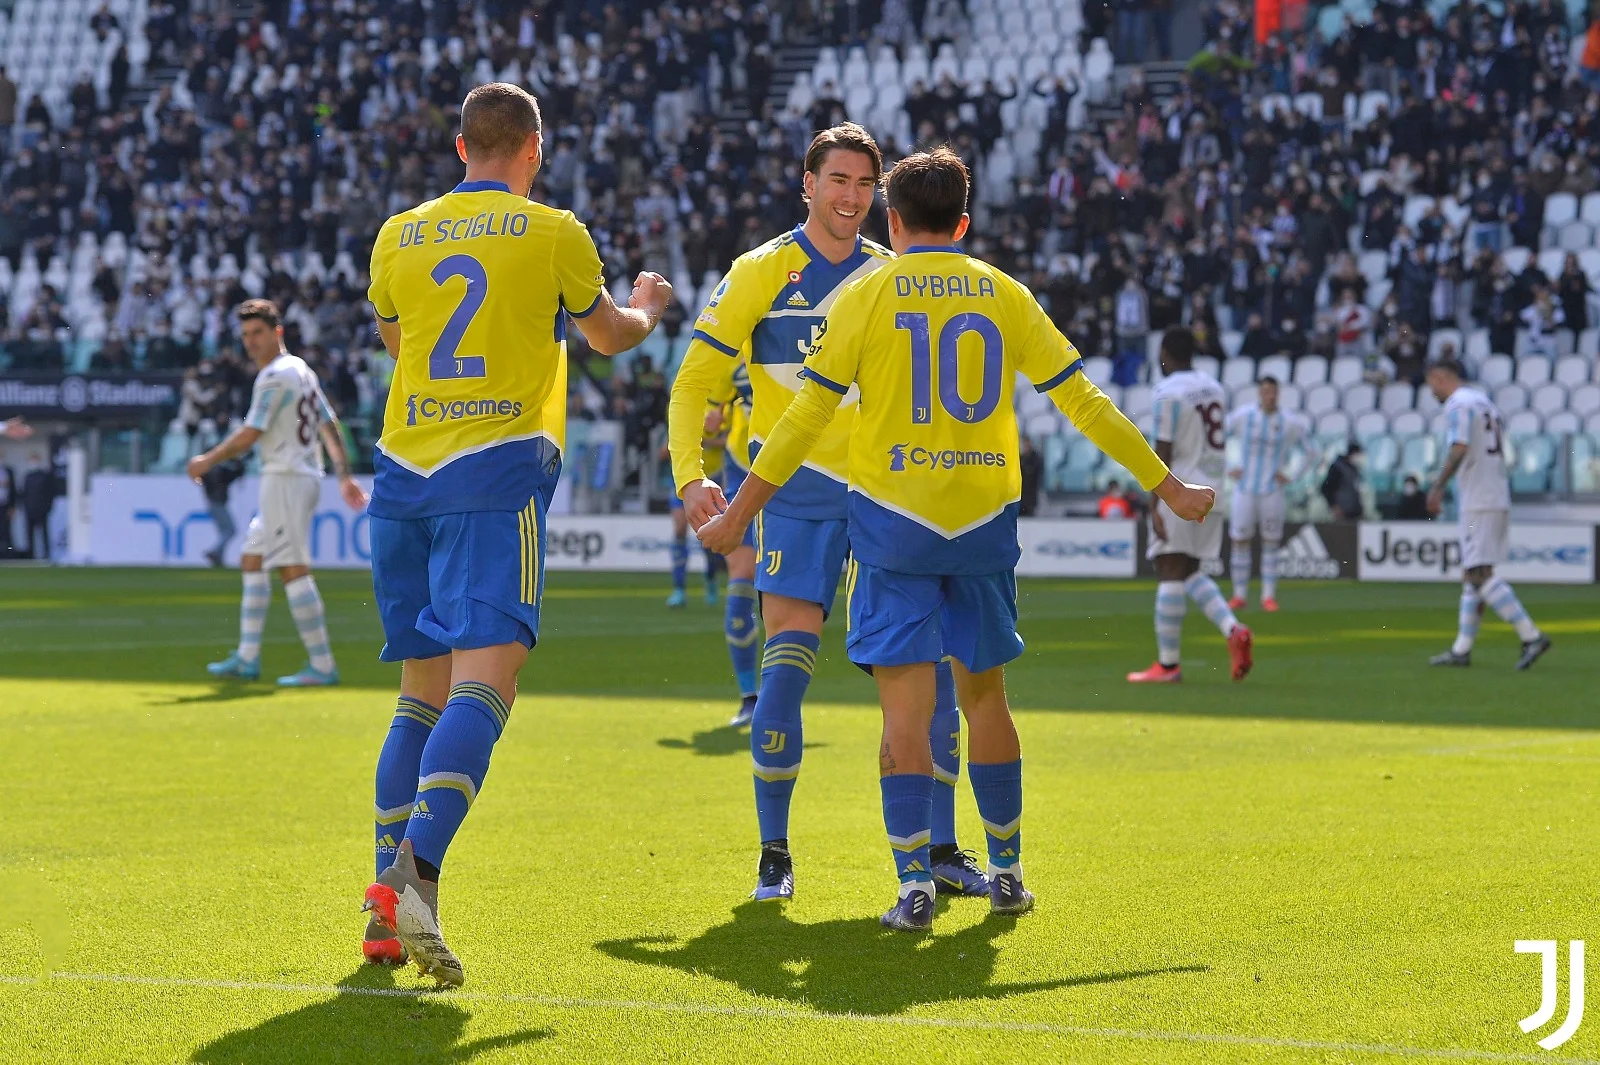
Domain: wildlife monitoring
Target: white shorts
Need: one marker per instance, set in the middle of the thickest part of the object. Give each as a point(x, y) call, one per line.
point(1253, 511)
point(1485, 535)
point(1185, 537)
point(281, 530)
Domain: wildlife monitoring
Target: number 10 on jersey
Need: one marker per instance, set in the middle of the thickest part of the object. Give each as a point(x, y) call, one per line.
point(916, 324)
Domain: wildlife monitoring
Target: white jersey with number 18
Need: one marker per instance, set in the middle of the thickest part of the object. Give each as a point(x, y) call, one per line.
point(288, 407)
point(1470, 419)
point(1189, 413)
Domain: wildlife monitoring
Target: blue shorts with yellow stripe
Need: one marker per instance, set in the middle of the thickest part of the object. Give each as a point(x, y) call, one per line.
point(900, 619)
point(459, 581)
point(801, 558)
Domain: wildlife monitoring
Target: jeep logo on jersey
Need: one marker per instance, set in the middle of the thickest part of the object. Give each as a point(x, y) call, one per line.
point(904, 456)
point(420, 408)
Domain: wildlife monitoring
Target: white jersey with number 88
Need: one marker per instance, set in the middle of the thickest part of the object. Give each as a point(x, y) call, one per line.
point(288, 407)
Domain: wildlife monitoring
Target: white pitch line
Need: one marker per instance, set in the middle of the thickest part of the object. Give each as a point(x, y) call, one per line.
point(773, 1013)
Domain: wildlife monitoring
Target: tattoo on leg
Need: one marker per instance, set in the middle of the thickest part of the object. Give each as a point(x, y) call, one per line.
point(886, 760)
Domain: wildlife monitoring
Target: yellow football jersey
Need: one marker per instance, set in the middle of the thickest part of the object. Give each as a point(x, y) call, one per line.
point(481, 281)
point(934, 342)
point(768, 312)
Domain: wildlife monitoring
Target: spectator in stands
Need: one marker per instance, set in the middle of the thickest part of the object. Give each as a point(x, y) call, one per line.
point(39, 494)
point(1412, 505)
point(8, 503)
point(1133, 327)
point(217, 483)
point(1541, 318)
point(1573, 290)
point(1032, 470)
point(1341, 488)
point(1115, 503)
point(8, 106)
point(1257, 342)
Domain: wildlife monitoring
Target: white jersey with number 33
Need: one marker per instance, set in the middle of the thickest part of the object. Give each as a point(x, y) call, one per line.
point(1189, 413)
point(288, 407)
point(1470, 419)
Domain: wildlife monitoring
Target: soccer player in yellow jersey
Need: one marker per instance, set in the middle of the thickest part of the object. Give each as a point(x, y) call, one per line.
point(933, 343)
point(472, 291)
point(767, 314)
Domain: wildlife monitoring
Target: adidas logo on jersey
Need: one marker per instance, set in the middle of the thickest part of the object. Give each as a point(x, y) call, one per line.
point(797, 300)
point(1305, 556)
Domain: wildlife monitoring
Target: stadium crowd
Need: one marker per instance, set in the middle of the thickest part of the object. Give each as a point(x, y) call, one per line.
point(268, 165)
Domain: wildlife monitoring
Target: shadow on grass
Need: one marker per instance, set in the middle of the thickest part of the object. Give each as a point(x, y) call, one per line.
point(716, 742)
point(221, 693)
point(851, 966)
point(370, 1021)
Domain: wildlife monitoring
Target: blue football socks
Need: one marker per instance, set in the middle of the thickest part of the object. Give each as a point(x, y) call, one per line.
point(998, 789)
point(944, 737)
point(453, 765)
point(398, 763)
point(739, 626)
point(907, 818)
point(680, 560)
point(776, 737)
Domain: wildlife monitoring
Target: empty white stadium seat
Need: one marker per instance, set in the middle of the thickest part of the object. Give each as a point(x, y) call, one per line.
point(1236, 372)
point(1510, 398)
point(1345, 370)
point(1532, 372)
point(1407, 423)
point(1561, 423)
point(1524, 422)
point(1396, 397)
point(1560, 208)
point(1310, 370)
point(1571, 370)
point(1547, 399)
point(1333, 422)
point(1496, 371)
point(1584, 400)
point(1360, 398)
point(1320, 399)
point(1371, 423)
point(1440, 337)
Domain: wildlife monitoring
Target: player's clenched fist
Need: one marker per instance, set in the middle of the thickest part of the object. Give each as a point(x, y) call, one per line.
point(1191, 502)
point(651, 292)
point(721, 534)
point(702, 501)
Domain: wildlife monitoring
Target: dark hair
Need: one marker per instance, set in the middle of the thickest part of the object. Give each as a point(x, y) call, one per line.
point(497, 119)
point(849, 137)
point(261, 310)
point(1267, 379)
point(929, 190)
point(1177, 346)
point(1449, 365)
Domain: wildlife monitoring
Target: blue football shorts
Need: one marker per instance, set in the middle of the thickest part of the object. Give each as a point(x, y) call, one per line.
point(459, 581)
point(900, 619)
point(801, 558)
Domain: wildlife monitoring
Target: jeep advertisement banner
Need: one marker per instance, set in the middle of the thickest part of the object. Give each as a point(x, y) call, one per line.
point(1309, 552)
point(1541, 553)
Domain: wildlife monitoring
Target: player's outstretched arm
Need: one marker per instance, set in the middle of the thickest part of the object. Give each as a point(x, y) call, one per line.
point(354, 496)
point(611, 330)
point(704, 374)
point(1096, 417)
point(786, 447)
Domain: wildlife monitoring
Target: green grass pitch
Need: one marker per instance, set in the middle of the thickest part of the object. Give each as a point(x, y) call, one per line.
point(1328, 863)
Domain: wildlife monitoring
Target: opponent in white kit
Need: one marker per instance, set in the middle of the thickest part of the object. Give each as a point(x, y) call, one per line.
point(1190, 424)
point(289, 423)
point(1483, 496)
point(1267, 436)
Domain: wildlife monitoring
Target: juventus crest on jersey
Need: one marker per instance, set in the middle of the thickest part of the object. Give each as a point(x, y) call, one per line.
point(288, 407)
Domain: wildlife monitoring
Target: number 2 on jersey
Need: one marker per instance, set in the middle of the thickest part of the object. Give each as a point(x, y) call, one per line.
point(443, 361)
point(950, 398)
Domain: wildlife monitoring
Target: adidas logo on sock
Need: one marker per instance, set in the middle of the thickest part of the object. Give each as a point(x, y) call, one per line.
point(1304, 555)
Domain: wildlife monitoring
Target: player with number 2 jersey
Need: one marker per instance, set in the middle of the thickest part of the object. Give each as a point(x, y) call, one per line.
point(472, 291)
